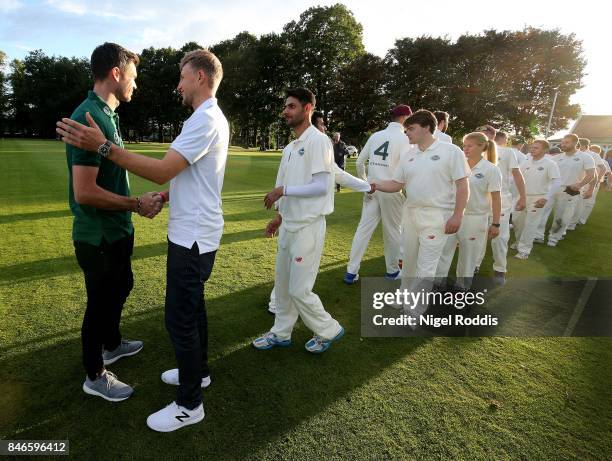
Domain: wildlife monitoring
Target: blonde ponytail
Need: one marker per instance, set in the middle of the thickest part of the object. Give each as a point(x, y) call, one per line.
point(491, 152)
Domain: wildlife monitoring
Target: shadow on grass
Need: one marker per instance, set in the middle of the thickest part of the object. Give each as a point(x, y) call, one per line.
point(11, 218)
point(53, 267)
point(256, 397)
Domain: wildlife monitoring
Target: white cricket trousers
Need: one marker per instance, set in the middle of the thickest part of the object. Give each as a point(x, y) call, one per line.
point(297, 265)
point(423, 240)
point(563, 206)
point(526, 223)
point(588, 205)
point(376, 207)
point(499, 245)
point(472, 238)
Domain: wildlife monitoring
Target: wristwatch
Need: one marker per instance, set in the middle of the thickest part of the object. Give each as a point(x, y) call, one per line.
point(104, 149)
point(495, 224)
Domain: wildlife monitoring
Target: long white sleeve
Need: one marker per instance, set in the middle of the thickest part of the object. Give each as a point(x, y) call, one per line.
point(315, 188)
point(554, 186)
point(348, 180)
point(363, 157)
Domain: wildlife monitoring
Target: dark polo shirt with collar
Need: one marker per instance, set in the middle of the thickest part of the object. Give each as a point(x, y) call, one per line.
point(90, 224)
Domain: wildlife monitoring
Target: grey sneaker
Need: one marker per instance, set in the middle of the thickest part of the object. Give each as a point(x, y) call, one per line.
point(108, 387)
point(499, 278)
point(125, 349)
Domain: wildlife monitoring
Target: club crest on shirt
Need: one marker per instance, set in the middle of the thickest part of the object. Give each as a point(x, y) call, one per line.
point(107, 111)
point(435, 157)
point(479, 175)
point(301, 151)
point(117, 138)
point(576, 160)
point(540, 168)
point(411, 160)
point(298, 259)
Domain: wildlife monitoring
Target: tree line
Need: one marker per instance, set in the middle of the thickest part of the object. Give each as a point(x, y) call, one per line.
point(507, 78)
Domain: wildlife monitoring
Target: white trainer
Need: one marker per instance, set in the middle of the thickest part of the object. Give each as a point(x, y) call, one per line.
point(172, 377)
point(174, 417)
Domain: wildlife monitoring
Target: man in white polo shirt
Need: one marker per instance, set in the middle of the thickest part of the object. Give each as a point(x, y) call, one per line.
point(577, 170)
point(586, 199)
point(305, 191)
point(382, 154)
point(542, 180)
point(440, 133)
point(435, 177)
point(195, 167)
point(602, 169)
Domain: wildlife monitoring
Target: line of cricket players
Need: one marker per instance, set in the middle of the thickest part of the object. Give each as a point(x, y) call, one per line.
point(432, 198)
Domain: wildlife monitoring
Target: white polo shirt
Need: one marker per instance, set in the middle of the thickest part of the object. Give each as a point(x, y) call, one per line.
point(442, 137)
point(573, 167)
point(520, 157)
point(484, 179)
point(430, 176)
point(310, 154)
point(507, 160)
point(195, 193)
point(538, 175)
point(382, 152)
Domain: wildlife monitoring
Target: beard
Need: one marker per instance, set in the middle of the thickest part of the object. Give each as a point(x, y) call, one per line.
point(297, 120)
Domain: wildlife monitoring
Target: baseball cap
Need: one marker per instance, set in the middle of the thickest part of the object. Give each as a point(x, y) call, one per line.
point(401, 109)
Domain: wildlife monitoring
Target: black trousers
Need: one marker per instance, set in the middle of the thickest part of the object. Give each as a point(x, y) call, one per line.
point(108, 281)
point(186, 273)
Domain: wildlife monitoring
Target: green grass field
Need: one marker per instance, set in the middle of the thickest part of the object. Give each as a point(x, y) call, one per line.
point(397, 398)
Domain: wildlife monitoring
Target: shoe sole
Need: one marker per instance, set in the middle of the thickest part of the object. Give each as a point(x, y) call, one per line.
point(89, 391)
point(338, 337)
point(271, 346)
point(129, 354)
point(203, 386)
point(171, 429)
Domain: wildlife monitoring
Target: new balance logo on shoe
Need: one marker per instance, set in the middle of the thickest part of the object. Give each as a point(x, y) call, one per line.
point(182, 417)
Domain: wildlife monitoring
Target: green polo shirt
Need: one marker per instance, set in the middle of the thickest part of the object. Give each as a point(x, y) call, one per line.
point(91, 225)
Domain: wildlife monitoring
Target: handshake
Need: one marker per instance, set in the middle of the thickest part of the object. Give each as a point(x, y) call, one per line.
point(150, 204)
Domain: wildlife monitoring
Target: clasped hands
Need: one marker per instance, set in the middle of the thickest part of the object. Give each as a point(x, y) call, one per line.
point(151, 204)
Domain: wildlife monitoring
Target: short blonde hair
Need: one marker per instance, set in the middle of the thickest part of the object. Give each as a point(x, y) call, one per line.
point(543, 143)
point(206, 61)
point(595, 148)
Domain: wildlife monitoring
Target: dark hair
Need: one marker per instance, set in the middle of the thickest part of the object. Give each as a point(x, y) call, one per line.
point(423, 118)
point(584, 142)
point(441, 116)
point(315, 115)
point(110, 55)
point(305, 96)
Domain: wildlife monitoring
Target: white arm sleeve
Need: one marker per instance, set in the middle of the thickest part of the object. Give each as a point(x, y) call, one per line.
point(554, 186)
point(348, 180)
point(315, 188)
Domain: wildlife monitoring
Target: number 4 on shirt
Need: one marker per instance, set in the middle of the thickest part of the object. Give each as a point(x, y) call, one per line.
point(382, 150)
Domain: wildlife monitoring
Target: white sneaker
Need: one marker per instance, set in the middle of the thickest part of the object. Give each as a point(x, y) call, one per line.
point(552, 244)
point(172, 377)
point(174, 417)
point(513, 246)
point(522, 256)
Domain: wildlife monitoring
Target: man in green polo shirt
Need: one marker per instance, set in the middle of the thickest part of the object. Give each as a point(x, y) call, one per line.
point(103, 234)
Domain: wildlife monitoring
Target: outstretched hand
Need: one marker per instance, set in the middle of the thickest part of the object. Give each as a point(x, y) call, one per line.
point(88, 138)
